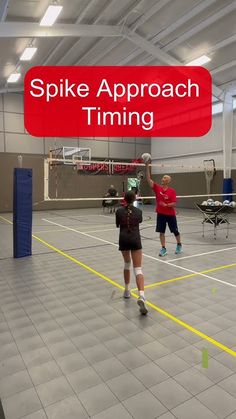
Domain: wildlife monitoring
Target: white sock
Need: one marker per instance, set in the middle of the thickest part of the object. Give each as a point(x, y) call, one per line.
point(127, 287)
point(141, 294)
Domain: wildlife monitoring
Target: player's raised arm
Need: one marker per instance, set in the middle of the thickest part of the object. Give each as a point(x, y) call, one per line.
point(147, 160)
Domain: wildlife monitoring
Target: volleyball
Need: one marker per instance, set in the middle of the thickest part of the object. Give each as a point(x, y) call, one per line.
point(218, 203)
point(233, 204)
point(210, 202)
point(146, 157)
point(204, 203)
point(226, 202)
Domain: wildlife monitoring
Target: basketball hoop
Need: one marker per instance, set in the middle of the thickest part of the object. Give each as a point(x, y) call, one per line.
point(210, 171)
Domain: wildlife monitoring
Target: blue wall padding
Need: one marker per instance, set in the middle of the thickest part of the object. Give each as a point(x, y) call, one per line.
point(22, 213)
point(228, 188)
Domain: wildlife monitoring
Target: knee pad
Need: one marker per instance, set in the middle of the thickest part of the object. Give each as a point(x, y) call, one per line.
point(138, 271)
point(176, 233)
point(127, 266)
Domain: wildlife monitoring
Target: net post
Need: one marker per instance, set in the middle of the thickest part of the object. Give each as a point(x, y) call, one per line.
point(22, 212)
point(46, 179)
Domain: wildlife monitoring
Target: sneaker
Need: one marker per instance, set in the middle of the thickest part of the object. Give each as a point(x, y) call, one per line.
point(127, 294)
point(141, 303)
point(178, 249)
point(163, 252)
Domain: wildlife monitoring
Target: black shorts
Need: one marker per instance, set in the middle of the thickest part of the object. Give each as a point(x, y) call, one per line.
point(163, 219)
point(129, 241)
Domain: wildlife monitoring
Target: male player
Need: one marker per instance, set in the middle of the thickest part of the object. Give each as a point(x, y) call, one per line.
point(165, 209)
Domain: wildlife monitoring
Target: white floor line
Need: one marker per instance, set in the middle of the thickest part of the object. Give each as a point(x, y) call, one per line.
point(79, 232)
point(101, 215)
point(189, 221)
point(143, 225)
point(188, 216)
point(115, 228)
point(100, 231)
point(202, 254)
point(144, 254)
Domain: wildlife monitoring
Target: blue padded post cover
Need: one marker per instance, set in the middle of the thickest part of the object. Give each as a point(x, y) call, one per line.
point(227, 188)
point(22, 213)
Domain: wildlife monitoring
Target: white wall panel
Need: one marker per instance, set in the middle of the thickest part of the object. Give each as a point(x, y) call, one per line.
point(59, 142)
point(122, 150)
point(116, 139)
point(140, 149)
point(1, 142)
point(13, 102)
point(131, 140)
point(1, 121)
point(234, 130)
point(143, 140)
point(207, 147)
point(14, 122)
point(22, 143)
point(187, 164)
point(98, 148)
point(164, 147)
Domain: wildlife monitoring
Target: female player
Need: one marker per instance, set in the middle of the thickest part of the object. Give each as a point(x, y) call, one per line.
point(128, 219)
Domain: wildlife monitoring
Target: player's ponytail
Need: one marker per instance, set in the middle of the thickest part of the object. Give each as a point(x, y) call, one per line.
point(129, 198)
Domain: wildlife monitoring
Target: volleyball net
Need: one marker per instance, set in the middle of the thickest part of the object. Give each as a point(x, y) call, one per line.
point(70, 174)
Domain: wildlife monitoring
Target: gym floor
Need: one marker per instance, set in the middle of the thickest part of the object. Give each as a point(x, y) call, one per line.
point(72, 347)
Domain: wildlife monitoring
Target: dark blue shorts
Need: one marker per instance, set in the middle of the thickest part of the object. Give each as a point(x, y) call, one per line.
point(163, 219)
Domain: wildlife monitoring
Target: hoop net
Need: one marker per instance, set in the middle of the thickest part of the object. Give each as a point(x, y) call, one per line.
point(69, 155)
point(210, 171)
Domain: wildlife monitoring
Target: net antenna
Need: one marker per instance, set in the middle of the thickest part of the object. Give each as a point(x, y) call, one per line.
point(210, 171)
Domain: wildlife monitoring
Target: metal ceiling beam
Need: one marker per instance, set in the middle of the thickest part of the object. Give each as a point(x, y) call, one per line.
point(152, 11)
point(147, 46)
point(18, 89)
point(163, 56)
point(230, 86)
point(140, 21)
point(223, 67)
point(88, 7)
point(75, 44)
point(30, 30)
point(177, 24)
point(203, 25)
point(222, 44)
point(56, 48)
point(207, 50)
point(183, 19)
point(3, 10)
point(100, 42)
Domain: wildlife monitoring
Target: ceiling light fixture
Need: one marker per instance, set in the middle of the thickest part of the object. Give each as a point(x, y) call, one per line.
point(200, 61)
point(13, 78)
point(51, 15)
point(28, 54)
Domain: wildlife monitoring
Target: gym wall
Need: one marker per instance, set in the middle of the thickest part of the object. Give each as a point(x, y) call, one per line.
point(14, 141)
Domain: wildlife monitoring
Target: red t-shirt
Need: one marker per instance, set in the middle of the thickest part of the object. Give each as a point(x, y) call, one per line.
point(167, 196)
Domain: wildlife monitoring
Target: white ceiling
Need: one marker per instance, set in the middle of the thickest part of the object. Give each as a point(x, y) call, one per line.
point(179, 30)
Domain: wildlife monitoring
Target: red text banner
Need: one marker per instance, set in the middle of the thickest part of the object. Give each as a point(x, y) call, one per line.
point(111, 101)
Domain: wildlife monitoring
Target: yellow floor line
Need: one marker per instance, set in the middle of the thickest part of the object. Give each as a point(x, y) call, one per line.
point(179, 278)
point(153, 306)
point(5, 219)
point(157, 284)
point(149, 304)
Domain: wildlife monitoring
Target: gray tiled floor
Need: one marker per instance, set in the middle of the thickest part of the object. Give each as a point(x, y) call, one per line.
point(71, 347)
